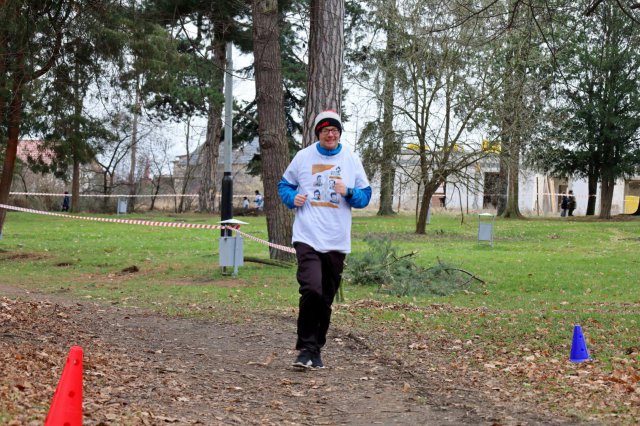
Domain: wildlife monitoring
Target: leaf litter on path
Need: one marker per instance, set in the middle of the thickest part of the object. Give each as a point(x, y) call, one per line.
point(142, 368)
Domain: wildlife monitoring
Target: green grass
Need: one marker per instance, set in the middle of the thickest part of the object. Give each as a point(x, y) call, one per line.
point(542, 275)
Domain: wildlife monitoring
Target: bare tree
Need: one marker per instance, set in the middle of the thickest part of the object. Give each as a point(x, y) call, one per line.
point(111, 159)
point(442, 84)
point(159, 160)
point(190, 167)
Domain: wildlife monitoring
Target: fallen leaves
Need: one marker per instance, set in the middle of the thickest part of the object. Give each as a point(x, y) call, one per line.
point(125, 389)
point(529, 373)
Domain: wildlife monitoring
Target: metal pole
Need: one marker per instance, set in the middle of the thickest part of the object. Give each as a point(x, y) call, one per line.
point(226, 204)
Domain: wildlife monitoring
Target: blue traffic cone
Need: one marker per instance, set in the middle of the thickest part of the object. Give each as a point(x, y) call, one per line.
point(579, 350)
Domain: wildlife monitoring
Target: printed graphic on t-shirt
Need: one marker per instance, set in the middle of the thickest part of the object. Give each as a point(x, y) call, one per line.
point(324, 182)
point(319, 168)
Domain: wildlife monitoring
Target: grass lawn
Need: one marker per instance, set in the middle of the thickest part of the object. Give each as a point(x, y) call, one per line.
point(542, 276)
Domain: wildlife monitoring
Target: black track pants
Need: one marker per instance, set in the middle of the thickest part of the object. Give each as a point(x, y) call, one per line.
point(319, 276)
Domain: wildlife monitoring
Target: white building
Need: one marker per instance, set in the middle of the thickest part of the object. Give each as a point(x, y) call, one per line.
point(539, 194)
point(244, 184)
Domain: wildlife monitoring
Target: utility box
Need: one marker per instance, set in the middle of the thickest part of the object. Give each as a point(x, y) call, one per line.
point(121, 207)
point(232, 252)
point(231, 248)
point(486, 222)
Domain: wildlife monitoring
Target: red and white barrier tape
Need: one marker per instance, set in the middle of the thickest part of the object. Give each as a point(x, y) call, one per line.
point(51, 194)
point(545, 194)
point(107, 219)
point(275, 246)
point(151, 223)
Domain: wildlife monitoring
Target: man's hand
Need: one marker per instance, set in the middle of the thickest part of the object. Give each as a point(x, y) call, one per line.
point(300, 199)
point(340, 187)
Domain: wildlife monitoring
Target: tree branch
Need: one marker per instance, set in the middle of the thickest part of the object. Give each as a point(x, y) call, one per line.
point(592, 8)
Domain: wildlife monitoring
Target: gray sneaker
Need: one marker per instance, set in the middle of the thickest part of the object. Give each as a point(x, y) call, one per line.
point(316, 361)
point(304, 360)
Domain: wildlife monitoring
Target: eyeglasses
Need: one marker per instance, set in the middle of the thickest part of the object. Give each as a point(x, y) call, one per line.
point(327, 131)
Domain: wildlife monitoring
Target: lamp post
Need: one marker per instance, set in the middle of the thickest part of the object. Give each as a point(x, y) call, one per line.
point(226, 202)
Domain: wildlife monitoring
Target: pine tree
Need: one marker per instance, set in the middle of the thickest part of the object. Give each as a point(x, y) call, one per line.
point(326, 62)
point(271, 116)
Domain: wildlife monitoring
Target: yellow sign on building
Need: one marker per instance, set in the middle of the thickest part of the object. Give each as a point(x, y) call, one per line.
point(491, 146)
point(630, 204)
point(416, 148)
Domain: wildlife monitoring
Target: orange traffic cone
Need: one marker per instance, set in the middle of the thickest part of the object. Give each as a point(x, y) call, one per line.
point(66, 406)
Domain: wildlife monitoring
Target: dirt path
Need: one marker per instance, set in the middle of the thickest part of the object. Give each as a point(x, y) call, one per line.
point(142, 368)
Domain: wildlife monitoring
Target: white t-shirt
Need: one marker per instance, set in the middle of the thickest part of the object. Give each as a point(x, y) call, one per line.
point(324, 221)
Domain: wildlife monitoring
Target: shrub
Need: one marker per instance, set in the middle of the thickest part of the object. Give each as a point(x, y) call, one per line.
point(383, 267)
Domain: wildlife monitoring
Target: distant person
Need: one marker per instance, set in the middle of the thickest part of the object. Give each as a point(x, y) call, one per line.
point(564, 205)
point(571, 203)
point(245, 203)
point(259, 200)
point(66, 202)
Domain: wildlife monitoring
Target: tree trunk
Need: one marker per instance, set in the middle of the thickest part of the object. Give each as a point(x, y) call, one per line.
point(502, 186)
point(389, 148)
point(606, 196)
point(271, 121)
point(13, 134)
point(326, 62)
point(3, 72)
point(511, 208)
point(210, 153)
point(105, 190)
point(515, 110)
point(75, 138)
point(186, 176)
point(156, 190)
point(425, 202)
point(75, 186)
point(592, 185)
point(507, 119)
